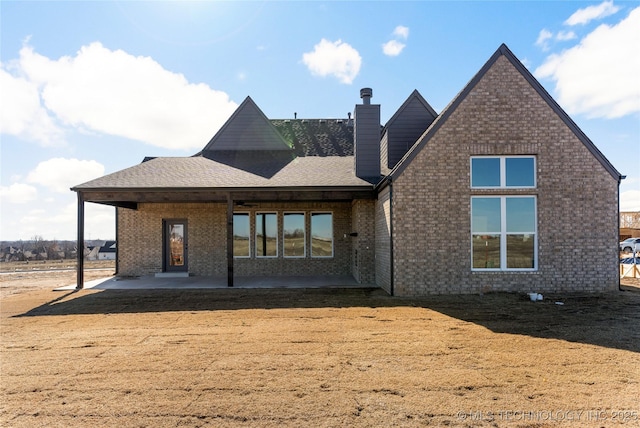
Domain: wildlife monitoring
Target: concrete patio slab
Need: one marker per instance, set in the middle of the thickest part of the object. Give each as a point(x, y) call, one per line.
point(155, 282)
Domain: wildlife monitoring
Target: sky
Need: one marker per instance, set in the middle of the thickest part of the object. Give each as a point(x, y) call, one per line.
point(88, 88)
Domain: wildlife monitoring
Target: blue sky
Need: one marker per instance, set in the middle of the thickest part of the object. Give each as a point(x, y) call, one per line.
point(89, 88)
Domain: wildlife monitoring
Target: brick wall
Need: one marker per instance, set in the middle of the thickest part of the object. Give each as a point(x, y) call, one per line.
point(363, 256)
point(576, 198)
point(383, 240)
point(140, 237)
point(140, 240)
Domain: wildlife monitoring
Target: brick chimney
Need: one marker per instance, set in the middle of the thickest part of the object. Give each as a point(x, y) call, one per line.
point(366, 136)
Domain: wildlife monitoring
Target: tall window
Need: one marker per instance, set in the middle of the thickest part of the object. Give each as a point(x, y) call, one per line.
point(293, 235)
point(266, 235)
point(503, 172)
point(241, 235)
point(503, 232)
point(321, 235)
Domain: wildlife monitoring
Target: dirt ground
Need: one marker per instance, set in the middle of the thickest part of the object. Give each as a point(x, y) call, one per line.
point(239, 357)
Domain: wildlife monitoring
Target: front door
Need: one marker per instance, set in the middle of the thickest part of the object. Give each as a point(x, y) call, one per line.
point(175, 246)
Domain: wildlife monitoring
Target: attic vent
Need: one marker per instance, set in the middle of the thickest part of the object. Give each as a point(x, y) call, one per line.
point(322, 121)
point(287, 121)
point(339, 121)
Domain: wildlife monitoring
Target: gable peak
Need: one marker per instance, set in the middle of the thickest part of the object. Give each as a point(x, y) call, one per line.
point(248, 128)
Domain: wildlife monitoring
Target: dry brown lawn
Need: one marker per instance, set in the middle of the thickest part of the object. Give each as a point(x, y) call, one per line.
point(172, 358)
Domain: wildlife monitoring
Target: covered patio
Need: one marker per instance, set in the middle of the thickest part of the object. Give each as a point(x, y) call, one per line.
point(208, 282)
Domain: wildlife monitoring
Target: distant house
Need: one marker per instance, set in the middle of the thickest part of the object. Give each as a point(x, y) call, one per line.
point(629, 225)
point(484, 196)
point(107, 251)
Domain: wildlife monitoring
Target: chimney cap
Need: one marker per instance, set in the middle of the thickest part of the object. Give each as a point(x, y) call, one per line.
point(366, 93)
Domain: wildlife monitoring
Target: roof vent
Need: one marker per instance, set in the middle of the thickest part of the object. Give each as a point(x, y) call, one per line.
point(366, 94)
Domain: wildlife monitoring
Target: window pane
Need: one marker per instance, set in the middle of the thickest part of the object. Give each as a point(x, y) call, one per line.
point(520, 251)
point(485, 172)
point(485, 215)
point(520, 172)
point(266, 235)
point(241, 235)
point(521, 215)
point(322, 235)
point(293, 233)
point(486, 251)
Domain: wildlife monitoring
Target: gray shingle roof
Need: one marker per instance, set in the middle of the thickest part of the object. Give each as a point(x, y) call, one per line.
point(317, 137)
point(199, 172)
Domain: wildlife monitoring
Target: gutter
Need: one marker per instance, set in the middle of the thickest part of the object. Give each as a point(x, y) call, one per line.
point(620, 178)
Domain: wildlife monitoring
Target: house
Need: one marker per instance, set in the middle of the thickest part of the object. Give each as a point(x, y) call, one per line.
point(107, 251)
point(484, 196)
point(629, 225)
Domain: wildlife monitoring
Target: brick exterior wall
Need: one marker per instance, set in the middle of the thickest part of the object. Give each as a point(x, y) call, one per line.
point(140, 238)
point(383, 239)
point(140, 243)
point(577, 199)
point(363, 255)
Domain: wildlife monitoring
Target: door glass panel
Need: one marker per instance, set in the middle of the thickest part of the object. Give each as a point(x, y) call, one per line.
point(176, 244)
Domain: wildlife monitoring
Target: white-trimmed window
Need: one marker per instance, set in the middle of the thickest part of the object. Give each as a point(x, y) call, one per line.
point(322, 234)
point(241, 235)
point(503, 172)
point(266, 235)
point(293, 235)
point(504, 233)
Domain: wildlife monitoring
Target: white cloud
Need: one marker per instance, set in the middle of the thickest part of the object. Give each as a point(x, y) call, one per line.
point(116, 93)
point(21, 113)
point(566, 35)
point(392, 48)
point(589, 13)
point(630, 200)
point(18, 193)
point(401, 32)
point(59, 174)
point(337, 59)
point(543, 39)
point(599, 76)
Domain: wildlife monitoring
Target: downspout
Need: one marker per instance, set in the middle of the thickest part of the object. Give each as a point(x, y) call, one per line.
point(391, 236)
point(80, 244)
point(620, 178)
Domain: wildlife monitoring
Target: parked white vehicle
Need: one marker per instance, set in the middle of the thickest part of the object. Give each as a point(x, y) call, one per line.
point(630, 245)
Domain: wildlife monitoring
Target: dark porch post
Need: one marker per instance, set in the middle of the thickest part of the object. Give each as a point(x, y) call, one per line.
point(80, 245)
point(229, 240)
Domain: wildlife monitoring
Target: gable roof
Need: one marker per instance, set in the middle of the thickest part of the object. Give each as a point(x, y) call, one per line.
point(247, 129)
point(412, 99)
point(503, 50)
